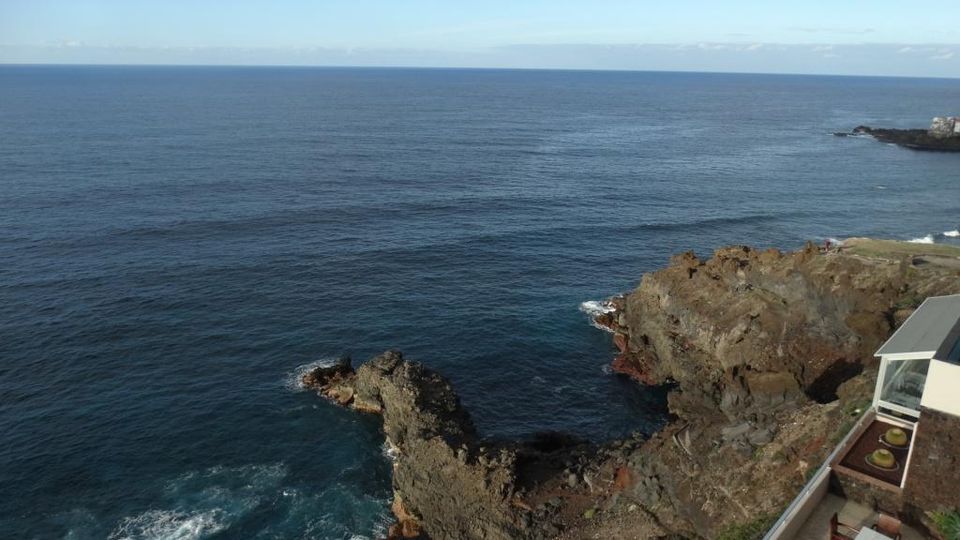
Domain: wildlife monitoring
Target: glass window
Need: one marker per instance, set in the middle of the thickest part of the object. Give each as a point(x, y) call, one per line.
point(903, 382)
point(954, 355)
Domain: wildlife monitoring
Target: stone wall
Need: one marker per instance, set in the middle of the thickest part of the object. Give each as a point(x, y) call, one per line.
point(933, 479)
point(858, 489)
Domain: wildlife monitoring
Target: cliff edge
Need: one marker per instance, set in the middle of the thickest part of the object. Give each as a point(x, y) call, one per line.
point(769, 355)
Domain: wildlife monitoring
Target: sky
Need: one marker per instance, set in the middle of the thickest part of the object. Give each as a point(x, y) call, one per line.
point(858, 37)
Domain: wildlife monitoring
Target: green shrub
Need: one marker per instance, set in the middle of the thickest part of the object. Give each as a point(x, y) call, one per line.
point(948, 523)
point(753, 530)
point(909, 301)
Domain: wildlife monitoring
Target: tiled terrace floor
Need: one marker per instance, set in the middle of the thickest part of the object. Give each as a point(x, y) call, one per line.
point(817, 526)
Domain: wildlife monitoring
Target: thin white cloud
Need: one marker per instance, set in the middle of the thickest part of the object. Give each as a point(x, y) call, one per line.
point(825, 30)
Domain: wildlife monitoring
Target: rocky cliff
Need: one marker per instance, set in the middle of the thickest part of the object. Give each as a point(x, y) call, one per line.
point(914, 139)
point(772, 355)
point(747, 331)
point(770, 358)
point(444, 480)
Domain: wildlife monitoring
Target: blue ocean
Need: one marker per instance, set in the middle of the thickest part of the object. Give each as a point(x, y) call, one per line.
point(178, 244)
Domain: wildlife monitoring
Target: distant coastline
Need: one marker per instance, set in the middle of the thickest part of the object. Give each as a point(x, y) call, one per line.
point(914, 139)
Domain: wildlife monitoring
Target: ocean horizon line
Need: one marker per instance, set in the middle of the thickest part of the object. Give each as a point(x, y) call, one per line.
point(466, 68)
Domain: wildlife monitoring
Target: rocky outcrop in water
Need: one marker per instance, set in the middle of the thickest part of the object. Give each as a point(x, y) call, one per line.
point(444, 480)
point(448, 482)
point(770, 355)
point(914, 139)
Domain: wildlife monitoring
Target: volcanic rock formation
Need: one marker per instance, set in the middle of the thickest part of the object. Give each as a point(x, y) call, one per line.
point(770, 355)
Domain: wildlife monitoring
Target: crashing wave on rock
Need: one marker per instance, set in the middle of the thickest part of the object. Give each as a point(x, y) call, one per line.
point(596, 308)
point(294, 380)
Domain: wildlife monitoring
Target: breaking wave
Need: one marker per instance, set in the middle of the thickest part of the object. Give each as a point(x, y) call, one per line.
point(952, 234)
point(595, 308)
point(836, 242)
point(203, 503)
point(294, 380)
point(170, 525)
point(390, 451)
point(928, 239)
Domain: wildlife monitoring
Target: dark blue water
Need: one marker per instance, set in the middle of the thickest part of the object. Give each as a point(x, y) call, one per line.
point(175, 243)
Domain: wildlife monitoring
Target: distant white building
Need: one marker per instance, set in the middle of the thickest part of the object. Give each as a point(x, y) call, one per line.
point(945, 126)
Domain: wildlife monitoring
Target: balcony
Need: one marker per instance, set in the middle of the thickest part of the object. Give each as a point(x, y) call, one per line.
point(854, 517)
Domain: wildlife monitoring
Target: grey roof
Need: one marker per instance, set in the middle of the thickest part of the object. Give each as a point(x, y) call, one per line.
point(934, 327)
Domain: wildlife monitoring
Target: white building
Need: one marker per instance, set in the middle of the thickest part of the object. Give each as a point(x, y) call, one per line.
point(920, 363)
point(945, 126)
point(917, 393)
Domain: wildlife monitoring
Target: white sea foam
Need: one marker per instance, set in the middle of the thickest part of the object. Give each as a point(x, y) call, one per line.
point(170, 525)
point(928, 239)
point(202, 503)
point(835, 242)
point(952, 234)
point(390, 451)
point(595, 308)
point(383, 525)
point(294, 380)
point(80, 523)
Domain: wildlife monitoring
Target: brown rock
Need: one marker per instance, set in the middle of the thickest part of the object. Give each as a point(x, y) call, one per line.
point(407, 525)
point(620, 341)
point(333, 382)
point(449, 483)
point(630, 366)
point(623, 479)
point(796, 318)
point(607, 320)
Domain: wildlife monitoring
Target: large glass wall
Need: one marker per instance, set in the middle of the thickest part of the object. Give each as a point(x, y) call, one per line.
point(902, 384)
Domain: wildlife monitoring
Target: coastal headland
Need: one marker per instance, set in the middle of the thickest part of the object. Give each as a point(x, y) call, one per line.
point(768, 357)
point(914, 139)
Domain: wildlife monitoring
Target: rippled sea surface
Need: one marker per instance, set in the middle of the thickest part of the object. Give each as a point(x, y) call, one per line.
point(176, 243)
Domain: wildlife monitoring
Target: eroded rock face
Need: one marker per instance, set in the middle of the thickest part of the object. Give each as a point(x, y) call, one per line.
point(446, 481)
point(749, 331)
point(772, 354)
